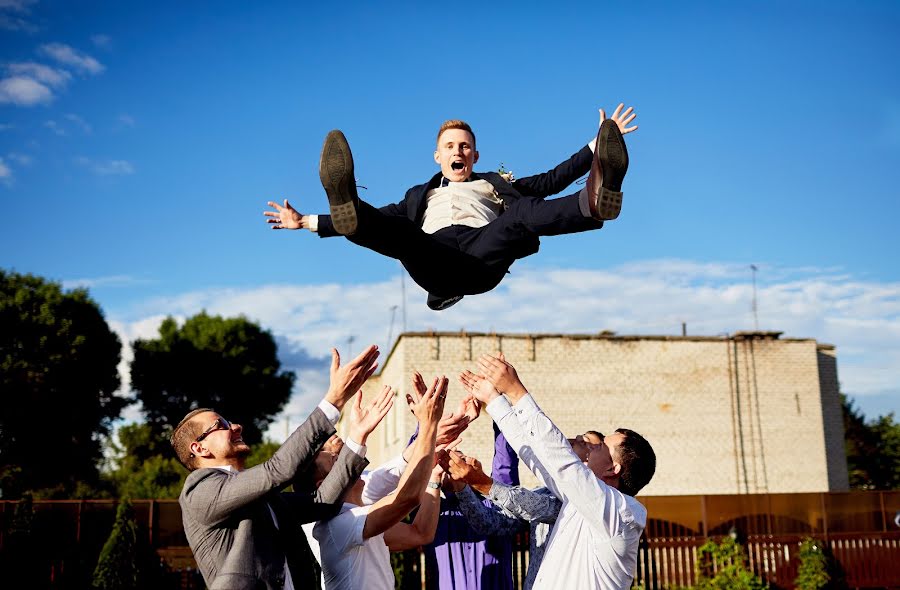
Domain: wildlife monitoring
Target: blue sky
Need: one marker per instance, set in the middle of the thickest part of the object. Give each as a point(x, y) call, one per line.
point(139, 143)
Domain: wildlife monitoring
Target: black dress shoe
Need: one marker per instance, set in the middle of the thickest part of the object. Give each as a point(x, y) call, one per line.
point(608, 169)
point(336, 174)
point(437, 303)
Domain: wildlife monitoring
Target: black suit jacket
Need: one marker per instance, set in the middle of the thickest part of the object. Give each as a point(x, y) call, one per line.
point(540, 185)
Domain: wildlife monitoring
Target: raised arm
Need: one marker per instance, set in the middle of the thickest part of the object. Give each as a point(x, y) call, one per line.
point(211, 498)
point(555, 180)
point(392, 509)
point(420, 531)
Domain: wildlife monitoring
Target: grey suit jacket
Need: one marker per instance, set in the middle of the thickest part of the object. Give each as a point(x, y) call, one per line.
point(227, 520)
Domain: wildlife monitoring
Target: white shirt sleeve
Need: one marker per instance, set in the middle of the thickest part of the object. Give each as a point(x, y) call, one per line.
point(505, 415)
point(604, 507)
point(332, 413)
point(342, 532)
point(314, 222)
point(356, 447)
point(383, 480)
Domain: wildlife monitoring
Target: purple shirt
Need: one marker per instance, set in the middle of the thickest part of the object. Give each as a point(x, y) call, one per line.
point(461, 559)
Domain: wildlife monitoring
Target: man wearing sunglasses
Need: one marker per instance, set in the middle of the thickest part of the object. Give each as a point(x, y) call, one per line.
point(244, 532)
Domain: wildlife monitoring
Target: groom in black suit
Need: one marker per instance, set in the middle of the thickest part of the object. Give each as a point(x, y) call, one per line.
point(459, 233)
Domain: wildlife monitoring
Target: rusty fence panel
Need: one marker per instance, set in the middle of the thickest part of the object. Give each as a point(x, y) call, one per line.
point(860, 528)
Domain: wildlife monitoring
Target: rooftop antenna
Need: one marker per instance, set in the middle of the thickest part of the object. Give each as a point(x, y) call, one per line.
point(753, 270)
point(403, 295)
point(391, 326)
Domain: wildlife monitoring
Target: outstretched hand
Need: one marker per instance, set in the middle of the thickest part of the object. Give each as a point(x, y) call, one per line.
point(479, 387)
point(345, 381)
point(452, 424)
point(621, 118)
point(286, 217)
point(428, 407)
point(364, 420)
point(502, 376)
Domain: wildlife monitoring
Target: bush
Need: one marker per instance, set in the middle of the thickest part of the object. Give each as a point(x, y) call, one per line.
point(723, 566)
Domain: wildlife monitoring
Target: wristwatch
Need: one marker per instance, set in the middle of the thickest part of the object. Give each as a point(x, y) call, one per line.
point(434, 485)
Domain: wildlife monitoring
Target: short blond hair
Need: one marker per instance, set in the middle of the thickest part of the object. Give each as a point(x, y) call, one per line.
point(184, 434)
point(455, 124)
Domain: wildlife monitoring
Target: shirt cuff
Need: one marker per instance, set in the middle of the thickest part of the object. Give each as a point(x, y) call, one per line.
point(499, 408)
point(314, 222)
point(332, 413)
point(498, 490)
point(526, 408)
point(592, 144)
point(356, 448)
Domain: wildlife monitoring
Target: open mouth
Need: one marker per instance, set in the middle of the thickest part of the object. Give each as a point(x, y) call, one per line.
point(457, 166)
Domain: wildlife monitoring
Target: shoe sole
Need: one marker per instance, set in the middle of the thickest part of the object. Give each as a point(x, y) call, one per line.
point(614, 164)
point(336, 174)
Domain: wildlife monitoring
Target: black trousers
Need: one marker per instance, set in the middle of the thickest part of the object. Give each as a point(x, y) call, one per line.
point(460, 260)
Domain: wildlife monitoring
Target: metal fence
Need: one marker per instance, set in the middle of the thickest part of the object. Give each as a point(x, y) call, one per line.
point(860, 528)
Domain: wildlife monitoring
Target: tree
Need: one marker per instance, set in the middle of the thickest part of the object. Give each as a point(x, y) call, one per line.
point(143, 465)
point(230, 365)
point(126, 561)
point(873, 449)
point(58, 377)
point(723, 566)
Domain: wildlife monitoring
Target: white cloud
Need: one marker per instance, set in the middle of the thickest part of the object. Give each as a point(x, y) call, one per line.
point(109, 281)
point(20, 159)
point(79, 122)
point(13, 13)
point(24, 91)
point(107, 167)
point(44, 74)
point(125, 120)
point(71, 57)
point(55, 127)
point(5, 172)
point(101, 41)
point(652, 297)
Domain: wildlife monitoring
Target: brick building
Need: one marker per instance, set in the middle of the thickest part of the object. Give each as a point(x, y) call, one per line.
point(745, 413)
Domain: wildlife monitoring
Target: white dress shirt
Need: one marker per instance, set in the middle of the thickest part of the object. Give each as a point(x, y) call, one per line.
point(472, 204)
point(594, 543)
point(350, 562)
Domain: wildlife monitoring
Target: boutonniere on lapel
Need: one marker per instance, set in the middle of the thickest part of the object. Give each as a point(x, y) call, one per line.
point(505, 174)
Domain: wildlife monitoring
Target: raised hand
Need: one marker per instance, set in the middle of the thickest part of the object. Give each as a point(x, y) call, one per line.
point(451, 424)
point(502, 376)
point(428, 407)
point(469, 407)
point(364, 420)
point(478, 386)
point(346, 380)
point(466, 469)
point(622, 119)
point(285, 217)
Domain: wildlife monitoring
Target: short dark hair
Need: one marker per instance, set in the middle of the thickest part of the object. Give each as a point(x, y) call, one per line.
point(184, 434)
point(456, 124)
point(638, 462)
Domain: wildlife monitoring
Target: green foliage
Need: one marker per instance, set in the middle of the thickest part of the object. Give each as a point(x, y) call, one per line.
point(119, 566)
point(819, 570)
point(261, 453)
point(873, 450)
point(723, 566)
point(143, 465)
point(230, 365)
point(127, 561)
point(813, 571)
point(58, 376)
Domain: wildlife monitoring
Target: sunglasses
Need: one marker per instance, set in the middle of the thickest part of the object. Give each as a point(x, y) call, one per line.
point(219, 424)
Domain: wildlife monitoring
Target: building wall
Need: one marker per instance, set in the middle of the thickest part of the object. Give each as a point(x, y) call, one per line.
point(750, 413)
